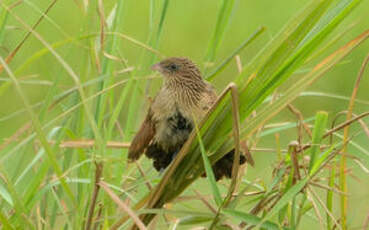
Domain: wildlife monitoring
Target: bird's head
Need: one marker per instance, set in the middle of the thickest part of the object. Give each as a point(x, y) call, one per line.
point(178, 68)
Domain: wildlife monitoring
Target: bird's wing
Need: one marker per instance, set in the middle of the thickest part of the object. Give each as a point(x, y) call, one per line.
point(143, 137)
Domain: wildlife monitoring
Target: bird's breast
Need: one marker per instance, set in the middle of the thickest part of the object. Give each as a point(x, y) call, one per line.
point(174, 118)
point(172, 130)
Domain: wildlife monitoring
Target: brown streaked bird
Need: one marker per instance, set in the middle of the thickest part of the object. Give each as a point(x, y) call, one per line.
point(185, 96)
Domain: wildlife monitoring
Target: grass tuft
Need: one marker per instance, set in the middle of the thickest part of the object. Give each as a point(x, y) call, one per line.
point(75, 83)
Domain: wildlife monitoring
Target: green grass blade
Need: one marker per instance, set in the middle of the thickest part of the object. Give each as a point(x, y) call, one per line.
point(18, 205)
point(290, 94)
point(363, 152)
point(5, 195)
point(285, 199)
point(71, 73)
point(3, 20)
point(278, 40)
point(223, 19)
point(318, 132)
point(216, 130)
point(47, 18)
point(107, 64)
point(339, 6)
point(209, 172)
point(147, 59)
point(40, 132)
point(333, 96)
point(44, 51)
point(282, 128)
point(194, 220)
point(34, 185)
point(321, 159)
point(226, 61)
point(329, 201)
point(251, 219)
point(276, 68)
point(273, 72)
point(4, 221)
point(161, 22)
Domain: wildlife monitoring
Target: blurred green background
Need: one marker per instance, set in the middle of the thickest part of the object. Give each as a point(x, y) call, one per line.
point(187, 31)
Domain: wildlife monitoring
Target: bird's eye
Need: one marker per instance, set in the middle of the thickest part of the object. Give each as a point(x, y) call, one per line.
point(173, 67)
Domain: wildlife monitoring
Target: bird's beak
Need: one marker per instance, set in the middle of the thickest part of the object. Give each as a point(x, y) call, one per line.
point(156, 67)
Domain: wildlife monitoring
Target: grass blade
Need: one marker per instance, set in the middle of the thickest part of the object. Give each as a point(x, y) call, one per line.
point(39, 131)
point(216, 130)
point(4, 222)
point(267, 112)
point(318, 132)
point(251, 219)
point(285, 199)
point(223, 18)
point(226, 61)
point(194, 220)
point(209, 172)
point(329, 201)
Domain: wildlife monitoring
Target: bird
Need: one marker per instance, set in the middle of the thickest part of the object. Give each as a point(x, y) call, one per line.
point(182, 102)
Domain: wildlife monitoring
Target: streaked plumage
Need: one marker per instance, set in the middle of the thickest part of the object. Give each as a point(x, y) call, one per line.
point(185, 96)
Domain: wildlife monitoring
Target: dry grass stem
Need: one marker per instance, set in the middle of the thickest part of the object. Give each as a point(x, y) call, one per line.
point(324, 207)
point(123, 206)
point(10, 57)
point(299, 116)
point(15, 136)
point(328, 188)
point(142, 172)
point(205, 201)
point(239, 63)
point(98, 174)
point(316, 209)
point(343, 162)
point(295, 162)
point(91, 144)
point(102, 24)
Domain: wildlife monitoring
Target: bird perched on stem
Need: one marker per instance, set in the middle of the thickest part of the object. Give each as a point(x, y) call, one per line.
point(183, 100)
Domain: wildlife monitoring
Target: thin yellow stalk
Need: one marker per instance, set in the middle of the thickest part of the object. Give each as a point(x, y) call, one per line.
point(343, 162)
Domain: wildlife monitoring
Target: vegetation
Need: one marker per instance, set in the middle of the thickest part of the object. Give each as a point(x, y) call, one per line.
point(79, 95)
